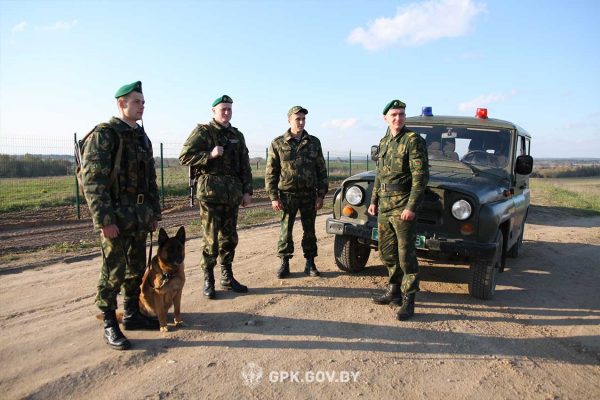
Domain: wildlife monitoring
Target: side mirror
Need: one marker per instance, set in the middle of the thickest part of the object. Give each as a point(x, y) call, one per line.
point(524, 165)
point(374, 153)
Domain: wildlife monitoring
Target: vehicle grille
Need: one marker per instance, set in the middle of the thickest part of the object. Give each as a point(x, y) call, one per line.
point(431, 210)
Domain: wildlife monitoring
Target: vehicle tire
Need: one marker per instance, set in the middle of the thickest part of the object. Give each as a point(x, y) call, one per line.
point(484, 273)
point(350, 255)
point(516, 249)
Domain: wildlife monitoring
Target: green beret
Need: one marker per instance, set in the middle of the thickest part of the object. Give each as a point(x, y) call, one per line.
point(297, 109)
point(126, 89)
point(222, 99)
point(393, 104)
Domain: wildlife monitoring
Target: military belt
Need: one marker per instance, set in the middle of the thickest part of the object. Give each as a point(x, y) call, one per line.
point(127, 200)
point(396, 187)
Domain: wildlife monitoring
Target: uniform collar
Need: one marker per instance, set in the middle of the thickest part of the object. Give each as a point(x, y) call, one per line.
point(399, 135)
point(122, 125)
point(287, 136)
point(215, 124)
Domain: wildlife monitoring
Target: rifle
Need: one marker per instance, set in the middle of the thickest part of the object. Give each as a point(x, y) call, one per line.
point(192, 184)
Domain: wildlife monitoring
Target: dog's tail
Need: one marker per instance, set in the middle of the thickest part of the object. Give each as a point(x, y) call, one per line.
point(119, 316)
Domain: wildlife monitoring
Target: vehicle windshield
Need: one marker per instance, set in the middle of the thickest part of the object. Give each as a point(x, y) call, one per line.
point(482, 148)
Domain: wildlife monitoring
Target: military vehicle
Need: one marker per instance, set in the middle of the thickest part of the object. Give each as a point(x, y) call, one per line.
point(475, 204)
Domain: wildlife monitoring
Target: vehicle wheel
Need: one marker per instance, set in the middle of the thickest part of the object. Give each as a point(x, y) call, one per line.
point(350, 255)
point(484, 273)
point(516, 249)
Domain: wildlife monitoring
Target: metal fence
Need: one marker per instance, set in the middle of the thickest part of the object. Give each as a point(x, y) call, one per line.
point(41, 172)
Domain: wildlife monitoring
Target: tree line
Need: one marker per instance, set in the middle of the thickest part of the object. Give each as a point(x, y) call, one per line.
point(28, 166)
point(566, 172)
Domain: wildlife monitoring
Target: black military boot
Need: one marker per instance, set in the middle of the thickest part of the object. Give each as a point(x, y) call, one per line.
point(392, 296)
point(407, 310)
point(228, 282)
point(311, 268)
point(134, 320)
point(112, 334)
point(284, 269)
point(209, 283)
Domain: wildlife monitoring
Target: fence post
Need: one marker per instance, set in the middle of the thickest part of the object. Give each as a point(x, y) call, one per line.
point(77, 200)
point(266, 154)
point(350, 162)
point(367, 162)
point(328, 165)
point(162, 177)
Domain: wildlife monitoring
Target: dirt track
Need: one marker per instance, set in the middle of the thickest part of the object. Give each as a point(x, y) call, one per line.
point(538, 338)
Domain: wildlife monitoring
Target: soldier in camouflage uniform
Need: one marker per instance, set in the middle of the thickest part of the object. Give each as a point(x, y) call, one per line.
point(217, 152)
point(402, 175)
point(296, 180)
point(124, 204)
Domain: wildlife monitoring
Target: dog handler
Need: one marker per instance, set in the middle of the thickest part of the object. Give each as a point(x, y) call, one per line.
point(124, 204)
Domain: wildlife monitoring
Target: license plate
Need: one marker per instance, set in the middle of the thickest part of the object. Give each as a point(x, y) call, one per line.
point(419, 242)
point(374, 234)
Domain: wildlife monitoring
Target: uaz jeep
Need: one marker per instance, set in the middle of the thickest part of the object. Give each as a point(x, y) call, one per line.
point(475, 203)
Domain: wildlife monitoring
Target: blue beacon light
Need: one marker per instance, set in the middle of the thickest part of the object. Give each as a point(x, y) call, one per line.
point(427, 112)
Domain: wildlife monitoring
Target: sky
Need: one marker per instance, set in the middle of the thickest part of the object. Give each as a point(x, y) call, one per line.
point(534, 63)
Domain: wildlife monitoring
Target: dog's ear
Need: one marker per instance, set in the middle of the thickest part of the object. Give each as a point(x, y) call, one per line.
point(181, 234)
point(162, 236)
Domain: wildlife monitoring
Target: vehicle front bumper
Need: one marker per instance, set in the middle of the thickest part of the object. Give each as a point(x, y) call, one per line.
point(460, 247)
point(337, 227)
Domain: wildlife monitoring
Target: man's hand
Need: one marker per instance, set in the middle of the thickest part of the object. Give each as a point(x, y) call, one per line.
point(110, 231)
point(277, 205)
point(372, 209)
point(319, 203)
point(216, 152)
point(407, 215)
point(154, 226)
point(246, 199)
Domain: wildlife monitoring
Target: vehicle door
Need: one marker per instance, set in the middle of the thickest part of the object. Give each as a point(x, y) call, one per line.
point(521, 196)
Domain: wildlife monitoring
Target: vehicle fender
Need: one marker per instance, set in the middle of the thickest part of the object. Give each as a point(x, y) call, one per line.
point(491, 216)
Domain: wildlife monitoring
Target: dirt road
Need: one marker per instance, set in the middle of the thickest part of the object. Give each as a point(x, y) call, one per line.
point(539, 338)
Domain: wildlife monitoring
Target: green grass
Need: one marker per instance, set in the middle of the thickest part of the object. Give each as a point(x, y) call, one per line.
point(23, 193)
point(30, 193)
point(581, 194)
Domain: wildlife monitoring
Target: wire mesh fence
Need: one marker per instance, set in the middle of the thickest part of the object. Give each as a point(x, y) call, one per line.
point(41, 172)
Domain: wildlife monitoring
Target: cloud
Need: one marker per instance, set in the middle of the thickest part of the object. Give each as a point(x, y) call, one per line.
point(341, 123)
point(20, 27)
point(485, 100)
point(60, 26)
point(418, 23)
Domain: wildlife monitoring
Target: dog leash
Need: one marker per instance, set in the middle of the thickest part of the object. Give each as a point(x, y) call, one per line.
point(150, 251)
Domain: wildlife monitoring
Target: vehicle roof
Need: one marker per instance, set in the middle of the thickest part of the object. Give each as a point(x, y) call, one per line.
point(467, 121)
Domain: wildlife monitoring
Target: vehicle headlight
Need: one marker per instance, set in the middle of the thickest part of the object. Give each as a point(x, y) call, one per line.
point(461, 210)
point(354, 195)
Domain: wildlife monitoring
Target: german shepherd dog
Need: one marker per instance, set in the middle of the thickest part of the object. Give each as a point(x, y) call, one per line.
point(162, 284)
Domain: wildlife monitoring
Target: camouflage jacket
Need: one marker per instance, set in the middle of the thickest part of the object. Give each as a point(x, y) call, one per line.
point(296, 166)
point(403, 165)
point(221, 180)
point(132, 201)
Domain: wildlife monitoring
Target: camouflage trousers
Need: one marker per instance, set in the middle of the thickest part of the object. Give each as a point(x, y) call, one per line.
point(123, 265)
point(292, 203)
point(397, 250)
point(219, 228)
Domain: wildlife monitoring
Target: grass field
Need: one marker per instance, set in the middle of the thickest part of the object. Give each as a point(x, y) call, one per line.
point(578, 193)
point(29, 193)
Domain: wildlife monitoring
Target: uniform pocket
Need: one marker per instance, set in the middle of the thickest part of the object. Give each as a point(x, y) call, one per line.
point(286, 155)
